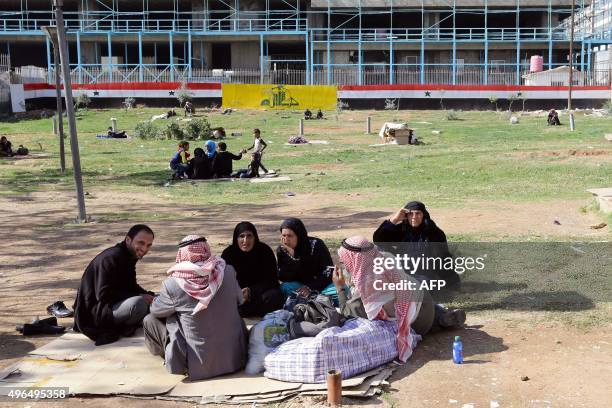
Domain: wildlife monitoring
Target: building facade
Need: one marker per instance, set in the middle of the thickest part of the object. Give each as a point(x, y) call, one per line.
point(339, 42)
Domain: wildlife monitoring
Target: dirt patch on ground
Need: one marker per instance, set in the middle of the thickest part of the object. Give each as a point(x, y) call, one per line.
point(43, 255)
point(563, 153)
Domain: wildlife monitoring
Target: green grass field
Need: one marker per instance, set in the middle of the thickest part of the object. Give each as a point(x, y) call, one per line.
point(481, 156)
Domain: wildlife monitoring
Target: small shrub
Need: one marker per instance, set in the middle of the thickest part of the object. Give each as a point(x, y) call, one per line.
point(607, 108)
point(197, 129)
point(493, 101)
point(452, 115)
point(82, 101)
point(173, 131)
point(183, 95)
point(146, 130)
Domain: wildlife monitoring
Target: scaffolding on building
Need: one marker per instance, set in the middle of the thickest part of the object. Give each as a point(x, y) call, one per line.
point(334, 42)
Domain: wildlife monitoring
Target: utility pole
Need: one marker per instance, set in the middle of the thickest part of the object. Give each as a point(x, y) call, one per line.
point(52, 34)
point(571, 69)
point(74, 143)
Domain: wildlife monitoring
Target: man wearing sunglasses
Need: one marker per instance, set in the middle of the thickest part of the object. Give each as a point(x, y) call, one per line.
point(109, 302)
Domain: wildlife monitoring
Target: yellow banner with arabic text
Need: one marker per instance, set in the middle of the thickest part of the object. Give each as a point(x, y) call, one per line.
point(295, 97)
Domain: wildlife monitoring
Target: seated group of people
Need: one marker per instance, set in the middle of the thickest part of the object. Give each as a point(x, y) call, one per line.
point(6, 149)
point(214, 161)
point(195, 322)
point(308, 114)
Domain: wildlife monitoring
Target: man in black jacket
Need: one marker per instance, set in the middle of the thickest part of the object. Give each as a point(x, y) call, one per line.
point(222, 166)
point(109, 302)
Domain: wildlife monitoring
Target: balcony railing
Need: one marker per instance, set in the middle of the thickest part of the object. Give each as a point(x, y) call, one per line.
point(150, 23)
point(439, 34)
point(369, 75)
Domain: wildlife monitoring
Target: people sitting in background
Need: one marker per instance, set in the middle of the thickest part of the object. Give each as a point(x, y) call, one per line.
point(116, 135)
point(553, 118)
point(319, 114)
point(303, 262)
point(200, 167)
point(252, 171)
point(164, 115)
point(194, 323)
point(109, 302)
point(218, 133)
point(222, 166)
point(307, 114)
point(256, 271)
point(179, 162)
point(6, 148)
point(189, 108)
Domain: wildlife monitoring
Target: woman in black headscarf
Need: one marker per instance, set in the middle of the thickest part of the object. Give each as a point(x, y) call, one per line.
point(412, 225)
point(303, 261)
point(255, 271)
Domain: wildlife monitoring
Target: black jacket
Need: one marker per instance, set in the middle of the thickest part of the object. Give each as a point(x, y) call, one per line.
point(308, 268)
point(403, 232)
point(109, 278)
point(201, 168)
point(255, 270)
point(222, 166)
point(428, 240)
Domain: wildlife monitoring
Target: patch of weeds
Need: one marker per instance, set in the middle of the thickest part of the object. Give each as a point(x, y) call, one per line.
point(389, 399)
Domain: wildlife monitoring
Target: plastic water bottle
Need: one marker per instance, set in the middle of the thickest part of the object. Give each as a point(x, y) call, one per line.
point(457, 350)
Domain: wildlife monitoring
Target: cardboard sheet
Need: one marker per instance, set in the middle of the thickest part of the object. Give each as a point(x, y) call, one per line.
point(270, 179)
point(124, 367)
point(232, 385)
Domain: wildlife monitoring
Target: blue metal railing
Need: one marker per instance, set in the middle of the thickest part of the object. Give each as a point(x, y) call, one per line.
point(439, 34)
point(18, 23)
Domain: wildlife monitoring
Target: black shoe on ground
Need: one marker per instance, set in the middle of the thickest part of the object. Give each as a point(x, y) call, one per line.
point(453, 319)
point(59, 309)
point(37, 328)
point(49, 321)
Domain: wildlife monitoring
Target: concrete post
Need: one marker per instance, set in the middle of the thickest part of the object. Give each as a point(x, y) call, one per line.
point(74, 142)
point(369, 125)
point(114, 124)
point(301, 128)
point(54, 118)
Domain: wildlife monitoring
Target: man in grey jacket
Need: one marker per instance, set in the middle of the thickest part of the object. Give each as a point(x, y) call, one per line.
point(194, 323)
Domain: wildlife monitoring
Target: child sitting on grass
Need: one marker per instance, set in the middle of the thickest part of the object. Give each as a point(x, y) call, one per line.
point(179, 161)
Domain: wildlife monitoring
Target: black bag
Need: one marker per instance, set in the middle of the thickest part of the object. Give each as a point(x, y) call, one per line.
point(22, 151)
point(311, 318)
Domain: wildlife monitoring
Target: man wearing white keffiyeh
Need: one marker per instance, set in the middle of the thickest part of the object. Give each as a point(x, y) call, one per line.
point(203, 335)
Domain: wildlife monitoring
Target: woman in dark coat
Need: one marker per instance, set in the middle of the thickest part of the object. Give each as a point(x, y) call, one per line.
point(303, 261)
point(255, 271)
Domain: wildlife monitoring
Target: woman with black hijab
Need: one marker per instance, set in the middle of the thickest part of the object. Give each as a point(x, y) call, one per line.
point(255, 271)
point(412, 223)
point(303, 261)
